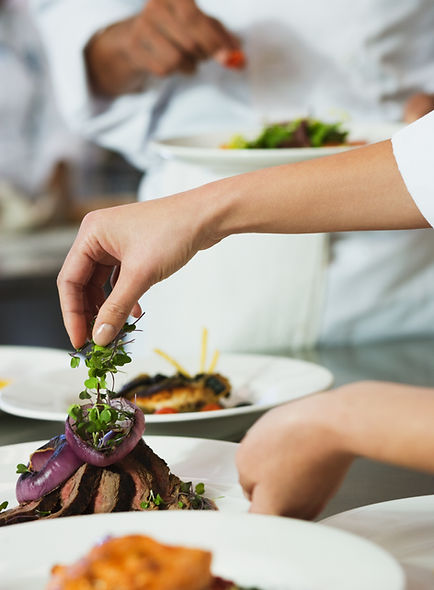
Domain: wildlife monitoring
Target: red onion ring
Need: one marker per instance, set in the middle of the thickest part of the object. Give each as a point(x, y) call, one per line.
point(93, 456)
point(60, 464)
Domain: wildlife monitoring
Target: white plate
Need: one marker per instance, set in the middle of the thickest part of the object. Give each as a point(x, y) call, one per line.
point(204, 149)
point(403, 527)
point(17, 361)
point(268, 552)
point(209, 461)
point(266, 381)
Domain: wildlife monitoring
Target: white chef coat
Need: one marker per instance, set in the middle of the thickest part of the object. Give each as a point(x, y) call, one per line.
point(304, 57)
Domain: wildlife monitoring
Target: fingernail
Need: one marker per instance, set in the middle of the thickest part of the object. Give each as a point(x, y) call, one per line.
point(104, 334)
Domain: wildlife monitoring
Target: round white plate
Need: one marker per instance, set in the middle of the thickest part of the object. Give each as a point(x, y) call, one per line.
point(404, 527)
point(209, 461)
point(268, 552)
point(205, 150)
point(17, 361)
point(265, 381)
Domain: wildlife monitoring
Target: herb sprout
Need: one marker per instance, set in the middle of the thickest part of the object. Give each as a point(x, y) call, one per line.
point(99, 422)
point(4, 505)
point(21, 468)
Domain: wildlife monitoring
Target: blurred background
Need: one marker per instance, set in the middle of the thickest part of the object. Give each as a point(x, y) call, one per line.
point(49, 179)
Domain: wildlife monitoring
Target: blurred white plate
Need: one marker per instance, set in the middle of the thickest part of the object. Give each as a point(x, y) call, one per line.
point(205, 150)
point(267, 552)
point(265, 381)
point(209, 461)
point(403, 527)
point(17, 361)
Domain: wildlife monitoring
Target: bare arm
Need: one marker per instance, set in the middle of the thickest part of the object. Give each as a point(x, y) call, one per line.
point(167, 36)
point(357, 190)
point(292, 460)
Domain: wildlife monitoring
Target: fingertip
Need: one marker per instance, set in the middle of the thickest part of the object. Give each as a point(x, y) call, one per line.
point(136, 311)
point(103, 333)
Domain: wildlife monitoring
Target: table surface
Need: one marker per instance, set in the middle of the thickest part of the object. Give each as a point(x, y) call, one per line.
point(367, 482)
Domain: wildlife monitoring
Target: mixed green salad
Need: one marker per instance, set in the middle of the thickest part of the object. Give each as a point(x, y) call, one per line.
point(303, 132)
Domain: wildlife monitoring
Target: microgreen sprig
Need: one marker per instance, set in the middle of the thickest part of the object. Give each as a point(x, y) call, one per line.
point(101, 423)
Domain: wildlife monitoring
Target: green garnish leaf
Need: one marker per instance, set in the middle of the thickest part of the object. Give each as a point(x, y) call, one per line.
point(75, 361)
point(144, 505)
point(158, 500)
point(4, 505)
point(199, 489)
point(181, 504)
point(185, 487)
point(91, 383)
point(84, 394)
point(21, 468)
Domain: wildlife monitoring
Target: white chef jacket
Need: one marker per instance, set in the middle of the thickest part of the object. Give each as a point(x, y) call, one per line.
point(304, 57)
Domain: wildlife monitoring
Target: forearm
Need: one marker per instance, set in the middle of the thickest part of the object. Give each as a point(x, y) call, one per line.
point(386, 422)
point(358, 190)
point(111, 70)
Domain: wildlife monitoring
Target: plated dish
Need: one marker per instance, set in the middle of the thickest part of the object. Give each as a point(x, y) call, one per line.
point(130, 562)
point(264, 381)
point(209, 462)
point(204, 149)
point(264, 552)
point(404, 527)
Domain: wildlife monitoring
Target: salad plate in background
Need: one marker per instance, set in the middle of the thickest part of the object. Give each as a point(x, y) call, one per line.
point(206, 149)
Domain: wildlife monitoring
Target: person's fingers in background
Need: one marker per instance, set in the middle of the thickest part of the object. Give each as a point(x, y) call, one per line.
point(291, 461)
point(169, 36)
point(417, 106)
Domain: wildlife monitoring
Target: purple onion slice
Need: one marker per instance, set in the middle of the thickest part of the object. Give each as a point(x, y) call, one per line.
point(130, 431)
point(50, 466)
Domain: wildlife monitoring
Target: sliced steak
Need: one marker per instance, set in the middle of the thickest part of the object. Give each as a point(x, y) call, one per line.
point(131, 484)
point(32, 510)
point(77, 492)
point(106, 495)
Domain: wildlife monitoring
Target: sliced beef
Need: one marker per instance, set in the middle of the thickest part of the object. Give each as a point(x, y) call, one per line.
point(77, 492)
point(32, 510)
point(106, 495)
point(131, 484)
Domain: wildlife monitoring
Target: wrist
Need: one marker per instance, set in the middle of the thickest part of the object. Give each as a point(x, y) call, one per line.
point(225, 209)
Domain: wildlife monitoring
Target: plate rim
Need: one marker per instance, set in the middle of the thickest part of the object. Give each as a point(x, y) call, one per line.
point(288, 526)
point(328, 377)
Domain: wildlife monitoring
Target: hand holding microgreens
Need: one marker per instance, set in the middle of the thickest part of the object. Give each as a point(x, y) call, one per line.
point(100, 422)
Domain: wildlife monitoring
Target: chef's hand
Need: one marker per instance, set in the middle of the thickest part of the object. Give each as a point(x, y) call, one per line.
point(165, 37)
point(417, 106)
point(140, 244)
point(292, 460)
point(172, 35)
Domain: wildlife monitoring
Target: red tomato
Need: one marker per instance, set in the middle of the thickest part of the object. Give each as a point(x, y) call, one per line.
point(166, 411)
point(210, 407)
point(236, 59)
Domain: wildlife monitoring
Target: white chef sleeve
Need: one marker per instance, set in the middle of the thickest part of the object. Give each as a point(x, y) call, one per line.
point(413, 148)
point(66, 27)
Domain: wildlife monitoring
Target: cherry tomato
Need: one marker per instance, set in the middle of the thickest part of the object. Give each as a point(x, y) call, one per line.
point(211, 407)
point(166, 411)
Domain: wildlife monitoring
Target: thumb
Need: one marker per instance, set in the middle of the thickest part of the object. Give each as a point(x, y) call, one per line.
point(118, 306)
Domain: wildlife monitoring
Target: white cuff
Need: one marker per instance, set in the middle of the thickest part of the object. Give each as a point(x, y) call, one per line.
point(413, 148)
